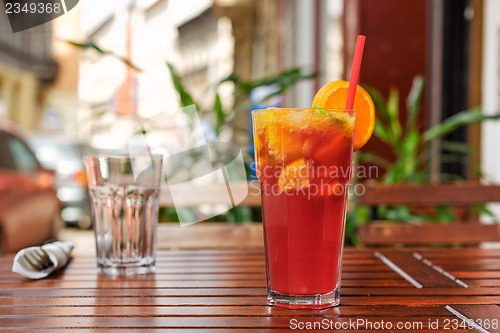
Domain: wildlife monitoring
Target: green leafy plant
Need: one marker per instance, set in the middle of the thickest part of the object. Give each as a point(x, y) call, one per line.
point(408, 143)
point(410, 146)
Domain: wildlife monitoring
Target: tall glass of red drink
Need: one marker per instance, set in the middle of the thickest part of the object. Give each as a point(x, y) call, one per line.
point(303, 159)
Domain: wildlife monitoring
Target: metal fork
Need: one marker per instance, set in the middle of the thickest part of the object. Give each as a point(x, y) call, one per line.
point(37, 258)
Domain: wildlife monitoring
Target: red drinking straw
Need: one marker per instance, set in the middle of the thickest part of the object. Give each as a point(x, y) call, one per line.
point(356, 65)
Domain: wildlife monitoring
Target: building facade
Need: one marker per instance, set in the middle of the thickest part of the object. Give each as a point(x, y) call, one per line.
point(27, 69)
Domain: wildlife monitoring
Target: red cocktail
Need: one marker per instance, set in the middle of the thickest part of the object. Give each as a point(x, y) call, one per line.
point(303, 161)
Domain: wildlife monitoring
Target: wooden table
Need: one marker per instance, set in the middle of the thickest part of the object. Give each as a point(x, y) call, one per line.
point(224, 291)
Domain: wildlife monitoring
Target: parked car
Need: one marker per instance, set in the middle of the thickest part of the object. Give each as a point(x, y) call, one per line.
point(67, 159)
point(29, 207)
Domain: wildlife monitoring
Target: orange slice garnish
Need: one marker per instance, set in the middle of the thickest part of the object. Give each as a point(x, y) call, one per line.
point(294, 177)
point(333, 95)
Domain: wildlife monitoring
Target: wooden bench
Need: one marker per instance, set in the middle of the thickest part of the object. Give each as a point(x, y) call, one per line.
point(380, 233)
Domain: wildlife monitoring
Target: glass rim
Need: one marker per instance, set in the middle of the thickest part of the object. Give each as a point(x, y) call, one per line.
point(350, 112)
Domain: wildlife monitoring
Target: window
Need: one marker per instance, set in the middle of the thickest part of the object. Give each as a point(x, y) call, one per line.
point(22, 157)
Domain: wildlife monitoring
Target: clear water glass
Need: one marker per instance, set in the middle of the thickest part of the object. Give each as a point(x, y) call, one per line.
point(124, 192)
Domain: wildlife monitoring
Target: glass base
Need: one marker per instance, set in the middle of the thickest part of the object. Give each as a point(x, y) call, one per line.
point(126, 270)
point(319, 301)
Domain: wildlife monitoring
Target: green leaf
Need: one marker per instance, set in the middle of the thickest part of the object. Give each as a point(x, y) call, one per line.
point(403, 213)
point(393, 112)
point(444, 214)
point(394, 175)
point(184, 96)
point(413, 101)
point(351, 229)
point(239, 214)
point(168, 214)
point(381, 132)
point(87, 46)
point(482, 209)
point(363, 157)
point(362, 214)
point(409, 153)
point(220, 115)
point(189, 107)
point(230, 78)
point(380, 104)
point(90, 45)
point(455, 121)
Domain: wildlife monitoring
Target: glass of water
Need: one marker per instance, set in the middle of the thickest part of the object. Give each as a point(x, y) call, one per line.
point(124, 193)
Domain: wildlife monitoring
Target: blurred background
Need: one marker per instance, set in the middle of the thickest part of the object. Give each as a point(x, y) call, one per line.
point(82, 82)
